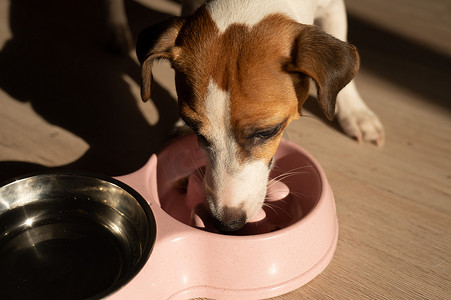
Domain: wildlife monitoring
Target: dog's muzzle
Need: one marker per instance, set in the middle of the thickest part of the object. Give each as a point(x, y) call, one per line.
point(232, 219)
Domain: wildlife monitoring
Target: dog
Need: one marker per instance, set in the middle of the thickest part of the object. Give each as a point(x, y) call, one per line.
point(242, 72)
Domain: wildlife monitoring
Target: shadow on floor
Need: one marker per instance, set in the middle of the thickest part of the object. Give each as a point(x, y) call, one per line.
point(56, 61)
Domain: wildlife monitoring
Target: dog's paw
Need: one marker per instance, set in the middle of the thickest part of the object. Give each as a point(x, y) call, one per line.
point(363, 125)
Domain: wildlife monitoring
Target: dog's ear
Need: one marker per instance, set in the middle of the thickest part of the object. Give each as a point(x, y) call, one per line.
point(331, 63)
point(156, 42)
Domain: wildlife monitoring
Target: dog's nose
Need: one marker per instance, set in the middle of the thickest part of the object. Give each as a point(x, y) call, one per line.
point(232, 220)
point(229, 225)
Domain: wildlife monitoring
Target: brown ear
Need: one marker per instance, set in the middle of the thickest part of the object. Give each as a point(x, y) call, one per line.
point(153, 43)
point(331, 63)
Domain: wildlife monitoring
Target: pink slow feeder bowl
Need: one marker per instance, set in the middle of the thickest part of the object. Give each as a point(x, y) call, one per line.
point(290, 242)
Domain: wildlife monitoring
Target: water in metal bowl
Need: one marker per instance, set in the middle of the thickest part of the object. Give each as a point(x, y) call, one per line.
point(71, 236)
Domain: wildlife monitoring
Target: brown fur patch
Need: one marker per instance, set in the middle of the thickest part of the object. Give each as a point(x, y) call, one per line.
point(264, 68)
point(246, 62)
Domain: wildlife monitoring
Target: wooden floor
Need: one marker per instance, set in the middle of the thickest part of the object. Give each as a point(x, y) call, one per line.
point(65, 103)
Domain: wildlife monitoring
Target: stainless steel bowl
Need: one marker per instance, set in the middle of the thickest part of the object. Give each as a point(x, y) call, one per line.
point(71, 236)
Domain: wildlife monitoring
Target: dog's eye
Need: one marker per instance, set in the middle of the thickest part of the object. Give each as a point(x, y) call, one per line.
point(267, 134)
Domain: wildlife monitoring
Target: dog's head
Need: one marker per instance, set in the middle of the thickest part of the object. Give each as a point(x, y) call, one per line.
point(238, 90)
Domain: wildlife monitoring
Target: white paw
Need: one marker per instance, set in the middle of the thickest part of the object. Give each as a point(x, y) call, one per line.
point(363, 125)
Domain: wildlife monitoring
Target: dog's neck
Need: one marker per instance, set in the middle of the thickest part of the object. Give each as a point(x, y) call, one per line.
point(251, 12)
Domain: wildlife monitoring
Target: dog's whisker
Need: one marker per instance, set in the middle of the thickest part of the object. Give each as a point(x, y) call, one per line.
point(296, 169)
point(275, 166)
point(198, 177)
point(268, 205)
point(202, 171)
point(284, 201)
point(289, 174)
point(283, 176)
point(285, 211)
point(298, 194)
point(195, 162)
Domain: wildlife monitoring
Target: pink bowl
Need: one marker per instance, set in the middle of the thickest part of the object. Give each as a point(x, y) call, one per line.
point(291, 241)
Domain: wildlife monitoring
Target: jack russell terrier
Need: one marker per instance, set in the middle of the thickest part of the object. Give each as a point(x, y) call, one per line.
point(242, 73)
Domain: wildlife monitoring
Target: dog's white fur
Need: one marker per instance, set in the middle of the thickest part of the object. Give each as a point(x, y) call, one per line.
point(231, 184)
point(242, 185)
point(252, 12)
point(235, 183)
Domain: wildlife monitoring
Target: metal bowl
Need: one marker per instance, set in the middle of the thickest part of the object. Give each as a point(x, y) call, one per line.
point(71, 236)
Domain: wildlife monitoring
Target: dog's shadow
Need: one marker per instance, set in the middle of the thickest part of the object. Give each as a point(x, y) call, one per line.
point(55, 61)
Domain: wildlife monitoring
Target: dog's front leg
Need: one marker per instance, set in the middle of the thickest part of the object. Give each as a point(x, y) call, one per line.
point(354, 116)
